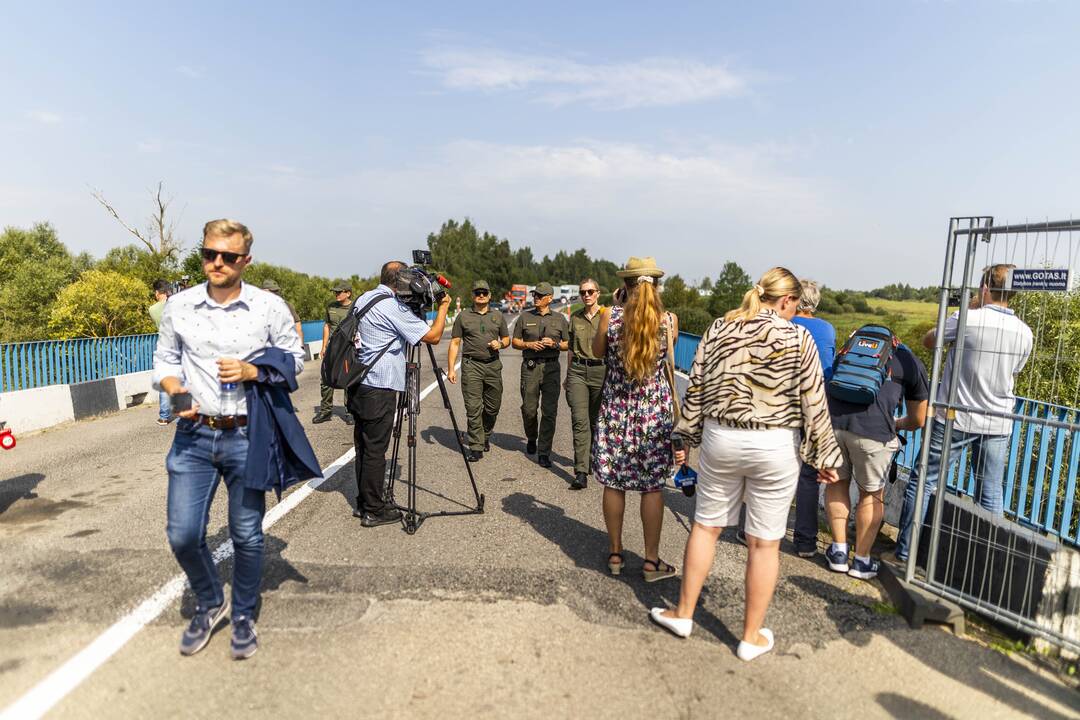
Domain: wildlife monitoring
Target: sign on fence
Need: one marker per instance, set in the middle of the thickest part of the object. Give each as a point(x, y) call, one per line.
point(1039, 279)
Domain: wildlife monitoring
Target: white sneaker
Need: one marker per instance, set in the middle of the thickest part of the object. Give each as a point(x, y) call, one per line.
point(676, 626)
point(749, 651)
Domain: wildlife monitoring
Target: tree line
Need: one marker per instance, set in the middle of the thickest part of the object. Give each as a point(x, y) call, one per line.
point(46, 291)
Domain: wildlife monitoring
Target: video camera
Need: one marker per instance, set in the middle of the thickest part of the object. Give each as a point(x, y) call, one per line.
point(418, 287)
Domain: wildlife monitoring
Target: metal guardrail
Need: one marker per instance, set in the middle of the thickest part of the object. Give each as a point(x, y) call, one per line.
point(27, 365)
point(1042, 471)
point(311, 331)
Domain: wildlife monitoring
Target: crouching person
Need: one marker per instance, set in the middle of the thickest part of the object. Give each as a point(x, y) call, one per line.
point(227, 355)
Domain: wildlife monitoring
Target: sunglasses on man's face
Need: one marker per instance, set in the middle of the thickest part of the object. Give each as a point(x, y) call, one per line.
point(480, 293)
point(210, 255)
point(586, 293)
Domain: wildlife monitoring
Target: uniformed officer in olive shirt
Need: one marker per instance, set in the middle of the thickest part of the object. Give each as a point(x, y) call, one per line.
point(335, 313)
point(584, 379)
point(541, 335)
point(479, 334)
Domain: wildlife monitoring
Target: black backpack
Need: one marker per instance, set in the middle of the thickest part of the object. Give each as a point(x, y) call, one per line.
point(340, 368)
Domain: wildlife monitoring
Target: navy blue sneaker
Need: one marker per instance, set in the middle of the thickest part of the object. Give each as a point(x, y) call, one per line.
point(864, 570)
point(202, 628)
point(837, 559)
point(244, 640)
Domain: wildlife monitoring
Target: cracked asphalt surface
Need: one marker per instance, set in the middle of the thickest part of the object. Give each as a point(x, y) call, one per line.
point(508, 613)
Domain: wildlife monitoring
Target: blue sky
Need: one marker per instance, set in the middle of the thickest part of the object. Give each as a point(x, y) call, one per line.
point(835, 138)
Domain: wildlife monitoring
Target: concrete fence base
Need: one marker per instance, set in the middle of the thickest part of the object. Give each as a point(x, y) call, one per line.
point(39, 408)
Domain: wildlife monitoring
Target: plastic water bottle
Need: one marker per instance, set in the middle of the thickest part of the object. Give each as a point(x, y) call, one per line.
point(230, 399)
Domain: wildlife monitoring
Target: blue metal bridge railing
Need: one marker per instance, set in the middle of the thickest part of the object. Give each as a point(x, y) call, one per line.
point(26, 365)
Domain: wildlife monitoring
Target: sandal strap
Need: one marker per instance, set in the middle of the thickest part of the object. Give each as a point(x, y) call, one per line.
point(618, 555)
point(660, 565)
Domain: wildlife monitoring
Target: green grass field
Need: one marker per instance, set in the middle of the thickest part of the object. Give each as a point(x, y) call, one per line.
point(909, 319)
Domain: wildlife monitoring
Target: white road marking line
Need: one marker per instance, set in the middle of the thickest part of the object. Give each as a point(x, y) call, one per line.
point(56, 685)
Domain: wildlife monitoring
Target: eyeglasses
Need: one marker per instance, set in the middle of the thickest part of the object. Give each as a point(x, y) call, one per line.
point(586, 293)
point(480, 293)
point(210, 255)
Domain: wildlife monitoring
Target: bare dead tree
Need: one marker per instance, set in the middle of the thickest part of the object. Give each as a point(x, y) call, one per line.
point(160, 234)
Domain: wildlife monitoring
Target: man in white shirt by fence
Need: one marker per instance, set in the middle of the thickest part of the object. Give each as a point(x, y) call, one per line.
point(997, 345)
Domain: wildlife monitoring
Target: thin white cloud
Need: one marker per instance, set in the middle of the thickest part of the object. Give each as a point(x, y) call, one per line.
point(190, 72)
point(149, 146)
point(695, 208)
point(45, 117)
point(559, 81)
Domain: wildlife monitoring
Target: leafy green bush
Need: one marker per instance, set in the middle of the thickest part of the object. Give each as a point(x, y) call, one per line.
point(101, 303)
point(694, 320)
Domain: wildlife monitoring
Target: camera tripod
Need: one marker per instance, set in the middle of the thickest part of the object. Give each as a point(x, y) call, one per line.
point(407, 412)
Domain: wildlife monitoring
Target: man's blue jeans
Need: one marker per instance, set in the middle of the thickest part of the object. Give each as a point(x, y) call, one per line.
point(987, 458)
point(164, 405)
point(199, 458)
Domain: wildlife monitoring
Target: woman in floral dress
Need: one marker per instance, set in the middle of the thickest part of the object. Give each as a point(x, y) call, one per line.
point(632, 448)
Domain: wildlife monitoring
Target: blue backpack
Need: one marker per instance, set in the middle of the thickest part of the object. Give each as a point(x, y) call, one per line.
point(862, 365)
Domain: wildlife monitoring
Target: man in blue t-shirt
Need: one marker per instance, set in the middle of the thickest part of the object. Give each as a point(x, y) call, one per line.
point(867, 435)
point(806, 495)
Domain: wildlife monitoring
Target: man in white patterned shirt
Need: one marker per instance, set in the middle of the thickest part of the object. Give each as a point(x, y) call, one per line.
point(389, 324)
point(207, 334)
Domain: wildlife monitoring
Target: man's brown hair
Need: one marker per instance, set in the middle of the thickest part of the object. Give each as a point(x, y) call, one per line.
point(993, 279)
point(227, 228)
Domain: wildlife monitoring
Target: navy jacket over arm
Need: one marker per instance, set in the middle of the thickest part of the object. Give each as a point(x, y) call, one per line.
point(279, 454)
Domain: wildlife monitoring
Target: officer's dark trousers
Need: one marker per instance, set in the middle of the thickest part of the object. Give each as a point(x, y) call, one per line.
point(540, 386)
point(326, 404)
point(481, 391)
point(373, 410)
point(584, 389)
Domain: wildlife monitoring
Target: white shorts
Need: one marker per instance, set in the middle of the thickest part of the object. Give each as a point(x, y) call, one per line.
point(758, 467)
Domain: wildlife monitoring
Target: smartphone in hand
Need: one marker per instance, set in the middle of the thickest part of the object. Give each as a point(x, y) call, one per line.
point(181, 402)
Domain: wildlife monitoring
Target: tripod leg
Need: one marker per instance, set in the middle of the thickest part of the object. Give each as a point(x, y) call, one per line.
point(454, 423)
point(395, 454)
point(411, 519)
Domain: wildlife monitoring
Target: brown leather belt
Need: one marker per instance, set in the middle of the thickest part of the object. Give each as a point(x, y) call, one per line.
point(224, 422)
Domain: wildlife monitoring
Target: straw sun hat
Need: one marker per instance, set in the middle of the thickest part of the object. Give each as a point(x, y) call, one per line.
point(640, 267)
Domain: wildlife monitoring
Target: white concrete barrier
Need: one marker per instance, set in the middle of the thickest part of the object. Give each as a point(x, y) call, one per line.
point(135, 389)
point(36, 409)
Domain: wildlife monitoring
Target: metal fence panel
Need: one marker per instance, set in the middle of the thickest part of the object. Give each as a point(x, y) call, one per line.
point(29, 365)
point(986, 558)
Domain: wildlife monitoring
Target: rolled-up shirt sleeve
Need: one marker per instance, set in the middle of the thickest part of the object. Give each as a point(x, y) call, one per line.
point(167, 353)
point(410, 327)
point(283, 333)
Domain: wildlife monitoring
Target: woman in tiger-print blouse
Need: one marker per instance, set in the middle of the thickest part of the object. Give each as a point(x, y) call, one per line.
point(755, 404)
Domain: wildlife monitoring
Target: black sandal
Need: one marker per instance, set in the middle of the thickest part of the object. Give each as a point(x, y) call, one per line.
point(662, 571)
point(615, 567)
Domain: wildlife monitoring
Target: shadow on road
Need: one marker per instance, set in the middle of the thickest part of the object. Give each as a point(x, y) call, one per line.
point(20, 487)
point(964, 661)
point(588, 548)
point(276, 571)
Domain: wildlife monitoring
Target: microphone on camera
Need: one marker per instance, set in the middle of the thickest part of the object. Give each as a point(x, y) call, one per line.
point(443, 281)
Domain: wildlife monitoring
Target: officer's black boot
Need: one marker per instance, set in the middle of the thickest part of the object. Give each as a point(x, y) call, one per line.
point(580, 482)
point(531, 447)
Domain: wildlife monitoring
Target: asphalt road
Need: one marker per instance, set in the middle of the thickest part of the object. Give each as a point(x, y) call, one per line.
point(508, 613)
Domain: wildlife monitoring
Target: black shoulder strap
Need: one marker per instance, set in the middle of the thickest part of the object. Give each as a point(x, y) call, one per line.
point(371, 303)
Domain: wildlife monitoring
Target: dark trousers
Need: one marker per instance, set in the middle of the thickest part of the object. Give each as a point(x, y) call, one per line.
point(373, 410)
point(806, 509)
